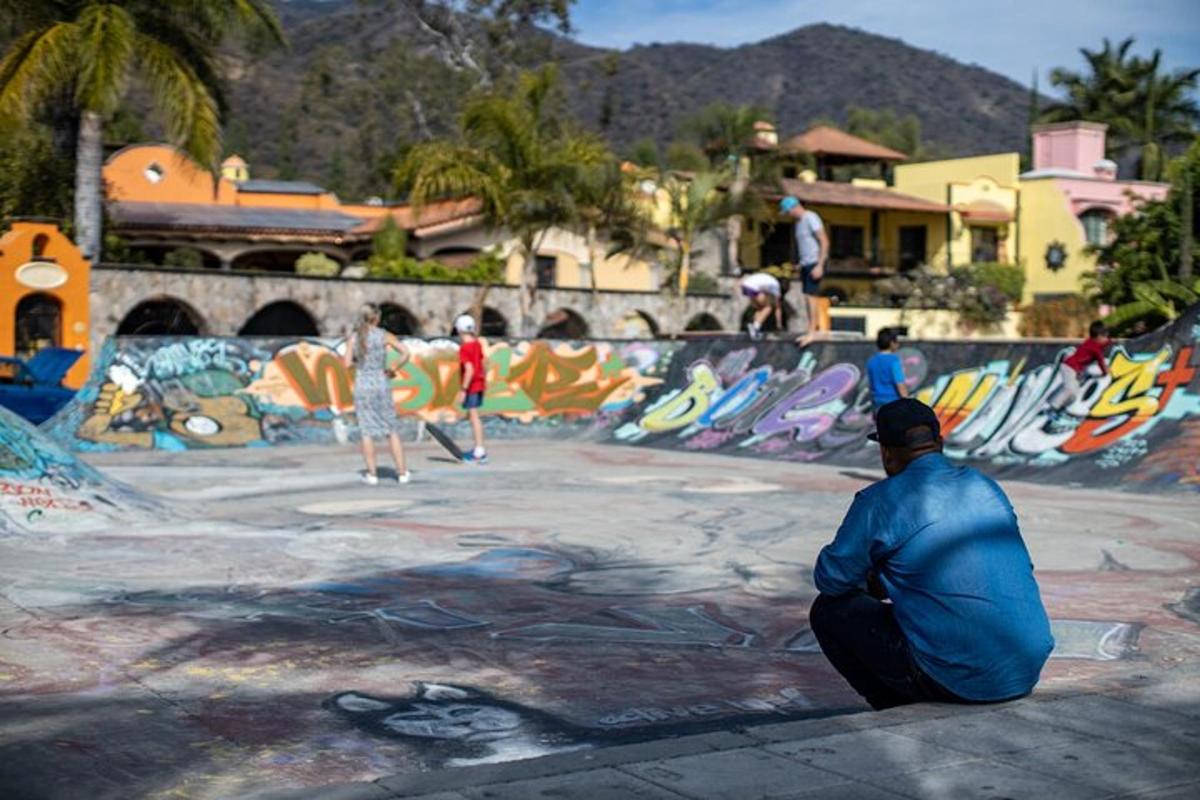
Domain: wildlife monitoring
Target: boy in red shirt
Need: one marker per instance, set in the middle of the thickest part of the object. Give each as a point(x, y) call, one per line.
point(1072, 368)
point(473, 380)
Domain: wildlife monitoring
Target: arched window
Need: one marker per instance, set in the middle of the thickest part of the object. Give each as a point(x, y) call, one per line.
point(563, 324)
point(1095, 223)
point(163, 316)
point(703, 322)
point(637, 325)
point(282, 318)
point(38, 323)
point(397, 320)
point(493, 325)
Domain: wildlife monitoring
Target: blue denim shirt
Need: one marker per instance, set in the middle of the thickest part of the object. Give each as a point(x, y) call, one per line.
point(944, 540)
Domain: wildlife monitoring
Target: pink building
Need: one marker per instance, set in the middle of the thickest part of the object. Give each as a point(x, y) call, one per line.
point(1068, 200)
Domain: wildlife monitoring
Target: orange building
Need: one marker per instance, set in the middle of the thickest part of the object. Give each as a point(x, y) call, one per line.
point(44, 285)
point(158, 199)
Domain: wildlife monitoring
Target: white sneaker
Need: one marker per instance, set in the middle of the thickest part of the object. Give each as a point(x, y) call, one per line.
point(369, 479)
point(405, 478)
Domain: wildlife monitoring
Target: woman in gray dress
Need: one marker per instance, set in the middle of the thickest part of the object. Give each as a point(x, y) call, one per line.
point(367, 349)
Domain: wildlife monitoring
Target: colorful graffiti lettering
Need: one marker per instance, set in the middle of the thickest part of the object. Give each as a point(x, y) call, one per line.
point(776, 402)
point(172, 394)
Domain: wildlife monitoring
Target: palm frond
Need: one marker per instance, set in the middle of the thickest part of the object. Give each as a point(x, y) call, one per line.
point(106, 40)
point(189, 109)
point(36, 65)
point(1129, 313)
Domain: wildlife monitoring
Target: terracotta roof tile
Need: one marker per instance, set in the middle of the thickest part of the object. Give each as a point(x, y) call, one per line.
point(825, 140)
point(845, 194)
point(984, 211)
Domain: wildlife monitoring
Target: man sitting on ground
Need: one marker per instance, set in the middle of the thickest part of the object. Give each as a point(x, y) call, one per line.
point(765, 295)
point(927, 592)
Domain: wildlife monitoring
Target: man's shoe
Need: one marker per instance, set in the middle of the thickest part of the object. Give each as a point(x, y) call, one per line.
point(404, 477)
point(370, 479)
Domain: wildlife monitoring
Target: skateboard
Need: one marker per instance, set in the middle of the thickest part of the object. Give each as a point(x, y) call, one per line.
point(445, 441)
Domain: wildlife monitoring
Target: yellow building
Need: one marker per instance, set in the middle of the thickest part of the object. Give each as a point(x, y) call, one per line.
point(982, 194)
point(1043, 220)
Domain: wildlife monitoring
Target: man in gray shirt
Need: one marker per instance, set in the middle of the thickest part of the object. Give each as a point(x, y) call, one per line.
point(811, 249)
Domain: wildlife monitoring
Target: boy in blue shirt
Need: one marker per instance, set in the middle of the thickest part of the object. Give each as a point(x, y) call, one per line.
point(927, 591)
point(885, 374)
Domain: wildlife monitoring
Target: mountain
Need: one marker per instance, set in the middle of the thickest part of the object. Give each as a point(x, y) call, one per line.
point(359, 80)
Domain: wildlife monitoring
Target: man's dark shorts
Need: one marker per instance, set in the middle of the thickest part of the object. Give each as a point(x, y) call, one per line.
point(808, 284)
point(472, 400)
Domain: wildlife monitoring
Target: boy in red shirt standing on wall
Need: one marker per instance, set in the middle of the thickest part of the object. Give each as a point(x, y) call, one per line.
point(473, 380)
point(1072, 368)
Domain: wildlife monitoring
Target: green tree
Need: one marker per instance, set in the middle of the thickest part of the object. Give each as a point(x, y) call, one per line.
point(884, 126)
point(34, 179)
point(1146, 269)
point(95, 48)
point(607, 205)
point(697, 204)
point(727, 135)
point(1146, 110)
point(518, 153)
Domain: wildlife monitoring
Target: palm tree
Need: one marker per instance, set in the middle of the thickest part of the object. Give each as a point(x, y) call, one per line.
point(697, 204)
point(1143, 108)
point(1163, 299)
point(93, 50)
point(517, 153)
point(727, 134)
point(607, 197)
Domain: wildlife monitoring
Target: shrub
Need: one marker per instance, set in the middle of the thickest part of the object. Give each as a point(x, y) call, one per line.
point(703, 283)
point(317, 264)
point(1061, 318)
point(962, 291)
point(487, 268)
point(1007, 278)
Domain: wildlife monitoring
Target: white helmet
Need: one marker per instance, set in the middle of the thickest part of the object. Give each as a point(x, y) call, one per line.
point(464, 324)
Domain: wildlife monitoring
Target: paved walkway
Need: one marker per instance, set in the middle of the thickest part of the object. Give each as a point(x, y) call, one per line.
point(572, 621)
point(1133, 742)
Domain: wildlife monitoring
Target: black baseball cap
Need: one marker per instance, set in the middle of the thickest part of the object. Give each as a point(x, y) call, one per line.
point(896, 421)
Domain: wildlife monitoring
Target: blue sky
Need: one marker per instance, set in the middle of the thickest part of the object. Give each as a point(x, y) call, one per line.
point(1012, 37)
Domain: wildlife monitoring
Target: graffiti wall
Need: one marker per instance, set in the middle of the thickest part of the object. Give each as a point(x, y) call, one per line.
point(44, 488)
point(1136, 426)
point(183, 393)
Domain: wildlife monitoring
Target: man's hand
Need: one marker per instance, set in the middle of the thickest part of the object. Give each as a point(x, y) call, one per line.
point(818, 271)
point(460, 398)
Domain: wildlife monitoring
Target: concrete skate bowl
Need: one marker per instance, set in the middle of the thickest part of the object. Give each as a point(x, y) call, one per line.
point(1136, 428)
point(45, 489)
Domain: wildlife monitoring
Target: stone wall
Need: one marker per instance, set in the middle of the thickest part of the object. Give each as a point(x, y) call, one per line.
point(223, 301)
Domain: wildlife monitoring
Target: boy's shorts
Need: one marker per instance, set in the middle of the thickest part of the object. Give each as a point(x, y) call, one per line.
point(472, 400)
point(808, 284)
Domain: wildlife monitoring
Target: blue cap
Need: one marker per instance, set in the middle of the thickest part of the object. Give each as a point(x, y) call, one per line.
point(787, 204)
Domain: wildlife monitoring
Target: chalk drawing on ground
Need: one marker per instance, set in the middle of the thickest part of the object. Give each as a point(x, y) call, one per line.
point(458, 726)
point(1094, 640)
point(1188, 606)
point(683, 627)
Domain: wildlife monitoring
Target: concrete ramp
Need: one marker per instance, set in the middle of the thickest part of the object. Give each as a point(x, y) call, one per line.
point(46, 489)
point(1138, 427)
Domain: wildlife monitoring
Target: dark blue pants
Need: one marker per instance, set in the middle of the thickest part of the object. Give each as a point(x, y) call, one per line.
point(861, 638)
